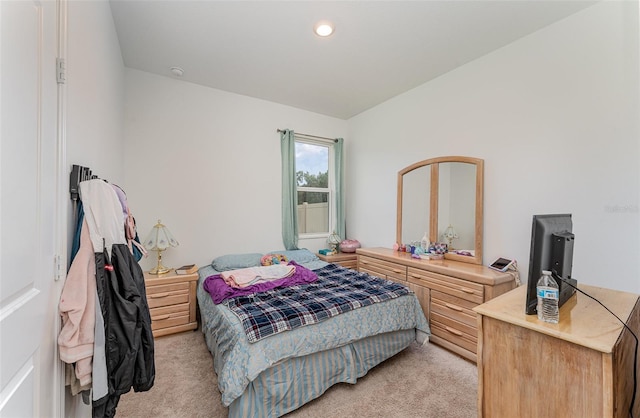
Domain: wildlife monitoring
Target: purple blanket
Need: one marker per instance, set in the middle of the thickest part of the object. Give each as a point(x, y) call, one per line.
point(220, 291)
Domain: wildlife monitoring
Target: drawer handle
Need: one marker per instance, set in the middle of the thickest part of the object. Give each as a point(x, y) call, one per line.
point(397, 271)
point(454, 307)
point(159, 295)
point(467, 290)
point(161, 317)
point(453, 331)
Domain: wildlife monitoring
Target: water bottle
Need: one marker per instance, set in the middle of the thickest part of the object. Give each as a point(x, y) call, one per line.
point(548, 295)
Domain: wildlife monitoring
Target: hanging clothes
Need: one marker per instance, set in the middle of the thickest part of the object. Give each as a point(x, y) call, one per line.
point(77, 308)
point(104, 306)
point(130, 230)
point(129, 348)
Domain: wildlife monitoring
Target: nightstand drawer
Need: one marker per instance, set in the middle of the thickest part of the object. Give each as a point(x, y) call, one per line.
point(172, 302)
point(169, 316)
point(349, 264)
point(347, 260)
point(169, 294)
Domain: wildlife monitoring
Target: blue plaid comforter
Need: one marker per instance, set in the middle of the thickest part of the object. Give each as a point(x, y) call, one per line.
point(336, 291)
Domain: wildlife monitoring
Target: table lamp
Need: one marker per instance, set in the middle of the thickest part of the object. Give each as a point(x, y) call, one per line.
point(450, 234)
point(334, 241)
point(159, 239)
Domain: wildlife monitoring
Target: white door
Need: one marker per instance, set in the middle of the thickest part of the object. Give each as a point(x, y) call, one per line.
point(29, 370)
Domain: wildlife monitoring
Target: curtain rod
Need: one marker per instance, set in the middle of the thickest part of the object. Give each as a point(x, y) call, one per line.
point(309, 136)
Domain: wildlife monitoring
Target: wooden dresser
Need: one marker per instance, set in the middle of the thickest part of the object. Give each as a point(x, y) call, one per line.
point(172, 302)
point(580, 367)
point(348, 260)
point(448, 291)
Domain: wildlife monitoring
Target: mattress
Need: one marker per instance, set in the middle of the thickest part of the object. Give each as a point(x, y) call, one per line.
point(310, 358)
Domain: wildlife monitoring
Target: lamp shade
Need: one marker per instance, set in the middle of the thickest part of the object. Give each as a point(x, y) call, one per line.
point(160, 238)
point(333, 240)
point(450, 234)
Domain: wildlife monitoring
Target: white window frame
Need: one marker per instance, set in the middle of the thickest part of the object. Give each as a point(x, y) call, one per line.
point(331, 186)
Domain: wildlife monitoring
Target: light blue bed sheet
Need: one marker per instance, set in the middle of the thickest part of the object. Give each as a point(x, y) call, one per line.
point(292, 383)
point(238, 362)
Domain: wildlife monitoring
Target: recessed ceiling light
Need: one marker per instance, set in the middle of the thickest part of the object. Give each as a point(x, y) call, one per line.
point(323, 28)
point(176, 71)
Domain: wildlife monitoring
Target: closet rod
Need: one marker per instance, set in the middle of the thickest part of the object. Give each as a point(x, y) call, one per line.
point(310, 136)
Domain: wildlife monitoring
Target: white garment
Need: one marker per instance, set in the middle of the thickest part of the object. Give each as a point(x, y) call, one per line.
point(102, 210)
point(252, 275)
point(103, 215)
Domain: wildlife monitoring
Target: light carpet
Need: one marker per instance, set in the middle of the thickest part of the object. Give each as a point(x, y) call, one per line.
point(421, 381)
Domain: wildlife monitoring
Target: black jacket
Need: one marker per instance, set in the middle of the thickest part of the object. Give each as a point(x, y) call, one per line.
point(129, 345)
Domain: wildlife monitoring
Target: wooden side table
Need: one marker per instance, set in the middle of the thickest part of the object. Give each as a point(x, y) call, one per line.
point(580, 367)
point(348, 260)
point(172, 302)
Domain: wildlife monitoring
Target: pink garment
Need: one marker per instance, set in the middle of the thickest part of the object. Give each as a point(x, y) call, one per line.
point(252, 275)
point(128, 221)
point(221, 291)
point(77, 308)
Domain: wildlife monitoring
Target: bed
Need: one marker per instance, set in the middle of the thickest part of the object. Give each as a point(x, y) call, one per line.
point(276, 375)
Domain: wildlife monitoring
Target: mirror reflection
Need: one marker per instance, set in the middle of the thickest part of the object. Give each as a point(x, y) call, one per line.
point(415, 204)
point(443, 197)
point(456, 205)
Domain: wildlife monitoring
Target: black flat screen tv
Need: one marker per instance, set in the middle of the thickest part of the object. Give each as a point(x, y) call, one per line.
point(552, 250)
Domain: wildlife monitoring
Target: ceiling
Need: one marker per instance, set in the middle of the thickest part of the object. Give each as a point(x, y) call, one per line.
point(267, 49)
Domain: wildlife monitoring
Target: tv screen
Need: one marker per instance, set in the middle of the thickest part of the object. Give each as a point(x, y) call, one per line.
point(551, 249)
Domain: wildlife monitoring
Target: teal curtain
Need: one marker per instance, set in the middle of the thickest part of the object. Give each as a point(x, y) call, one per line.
point(339, 174)
point(289, 191)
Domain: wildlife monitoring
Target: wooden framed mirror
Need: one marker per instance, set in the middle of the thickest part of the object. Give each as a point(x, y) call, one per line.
point(443, 194)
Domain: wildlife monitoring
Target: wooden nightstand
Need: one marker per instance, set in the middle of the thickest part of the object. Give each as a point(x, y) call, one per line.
point(348, 260)
point(172, 302)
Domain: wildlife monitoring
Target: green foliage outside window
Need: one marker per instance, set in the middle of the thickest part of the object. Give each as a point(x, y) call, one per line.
point(305, 179)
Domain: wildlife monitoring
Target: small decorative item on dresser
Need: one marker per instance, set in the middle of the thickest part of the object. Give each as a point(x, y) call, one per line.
point(440, 248)
point(187, 269)
point(327, 251)
point(349, 245)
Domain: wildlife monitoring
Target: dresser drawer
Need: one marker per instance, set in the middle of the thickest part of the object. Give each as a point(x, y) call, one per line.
point(169, 316)
point(382, 268)
point(455, 308)
point(453, 331)
point(463, 289)
point(169, 294)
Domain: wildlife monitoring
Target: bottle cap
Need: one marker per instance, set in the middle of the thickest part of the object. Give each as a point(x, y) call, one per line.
point(547, 272)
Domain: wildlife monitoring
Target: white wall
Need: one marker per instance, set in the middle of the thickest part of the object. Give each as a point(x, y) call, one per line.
point(207, 163)
point(95, 90)
point(95, 103)
point(555, 117)
point(94, 95)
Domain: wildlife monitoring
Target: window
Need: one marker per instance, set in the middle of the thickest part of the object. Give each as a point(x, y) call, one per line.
point(315, 187)
point(312, 186)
